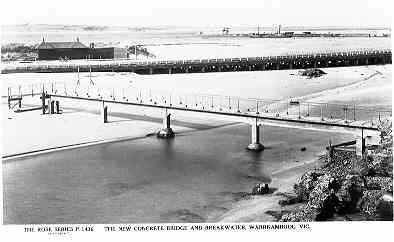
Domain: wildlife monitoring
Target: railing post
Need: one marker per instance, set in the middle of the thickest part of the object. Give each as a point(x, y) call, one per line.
point(299, 110)
point(287, 108)
point(104, 112)
point(308, 111)
point(9, 97)
point(354, 113)
point(345, 114)
point(321, 112)
point(43, 101)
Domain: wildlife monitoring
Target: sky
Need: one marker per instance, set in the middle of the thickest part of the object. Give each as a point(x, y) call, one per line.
point(198, 12)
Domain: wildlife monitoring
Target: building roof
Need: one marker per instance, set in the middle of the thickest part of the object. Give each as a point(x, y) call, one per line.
point(61, 45)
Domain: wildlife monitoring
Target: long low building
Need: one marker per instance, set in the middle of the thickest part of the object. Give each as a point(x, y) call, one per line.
point(77, 50)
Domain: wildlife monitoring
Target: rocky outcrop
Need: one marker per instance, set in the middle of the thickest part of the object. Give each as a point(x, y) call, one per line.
point(302, 214)
point(323, 198)
point(380, 183)
point(369, 203)
point(347, 184)
point(260, 189)
point(306, 185)
point(349, 194)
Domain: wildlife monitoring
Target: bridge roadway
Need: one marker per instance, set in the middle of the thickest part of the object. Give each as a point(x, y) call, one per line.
point(291, 61)
point(360, 121)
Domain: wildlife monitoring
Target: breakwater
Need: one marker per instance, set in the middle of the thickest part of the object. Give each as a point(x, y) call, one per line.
point(283, 62)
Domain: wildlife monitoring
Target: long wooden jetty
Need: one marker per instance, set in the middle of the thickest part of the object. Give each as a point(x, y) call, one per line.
point(282, 62)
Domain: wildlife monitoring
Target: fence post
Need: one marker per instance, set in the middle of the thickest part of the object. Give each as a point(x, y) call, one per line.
point(345, 113)
point(321, 112)
point(354, 113)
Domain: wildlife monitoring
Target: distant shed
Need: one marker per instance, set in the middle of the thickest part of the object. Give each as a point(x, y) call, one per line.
point(62, 50)
point(109, 53)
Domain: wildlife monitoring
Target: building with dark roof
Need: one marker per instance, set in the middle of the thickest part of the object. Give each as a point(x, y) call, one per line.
point(77, 50)
point(62, 50)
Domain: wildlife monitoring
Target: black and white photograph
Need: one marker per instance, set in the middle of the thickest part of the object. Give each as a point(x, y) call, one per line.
point(178, 115)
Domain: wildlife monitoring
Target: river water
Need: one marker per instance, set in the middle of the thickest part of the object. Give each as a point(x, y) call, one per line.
point(192, 178)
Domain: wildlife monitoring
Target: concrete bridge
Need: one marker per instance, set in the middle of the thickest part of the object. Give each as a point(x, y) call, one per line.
point(361, 121)
point(283, 62)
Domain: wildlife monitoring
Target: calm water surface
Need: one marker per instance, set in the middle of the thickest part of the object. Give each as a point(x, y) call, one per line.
point(192, 178)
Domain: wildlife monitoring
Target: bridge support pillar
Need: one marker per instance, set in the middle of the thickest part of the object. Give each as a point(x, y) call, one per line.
point(360, 146)
point(104, 112)
point(166, 132)
point(367, 138)
point(57, 107)
point(255, 135)
point(52, 106)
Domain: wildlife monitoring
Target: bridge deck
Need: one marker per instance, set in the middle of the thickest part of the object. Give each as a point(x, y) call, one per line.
point(291, 61)
point(282, 111)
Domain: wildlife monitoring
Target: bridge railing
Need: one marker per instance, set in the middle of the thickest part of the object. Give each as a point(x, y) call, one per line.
point(286, 108)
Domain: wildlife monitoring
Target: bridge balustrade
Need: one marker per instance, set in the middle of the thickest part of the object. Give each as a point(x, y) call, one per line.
point(283, 109)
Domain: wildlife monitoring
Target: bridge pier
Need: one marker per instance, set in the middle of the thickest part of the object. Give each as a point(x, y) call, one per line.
point(360, 146)
point(366, 138)
point(255, 137)
point(166, 131)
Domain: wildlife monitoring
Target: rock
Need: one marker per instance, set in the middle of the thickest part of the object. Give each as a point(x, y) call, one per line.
point(312, 72)
point(369, 202)
point(302, 214)
point(381, 165)
point(360, 166)
point(306, 185)
point(260, 189)
point(340, 164)
point(385, 208)
point(303, 149)
point(323, 198)
point(349, 194)
point(379, 183)
point(289, 201)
